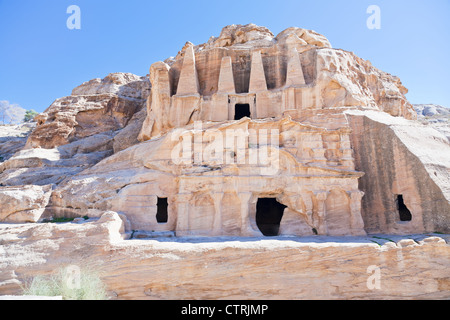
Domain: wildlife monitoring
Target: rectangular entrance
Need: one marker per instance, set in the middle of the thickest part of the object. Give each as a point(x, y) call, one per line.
point(241, 111)
point(161, 214)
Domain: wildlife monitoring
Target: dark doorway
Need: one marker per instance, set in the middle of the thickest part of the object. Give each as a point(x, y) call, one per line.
point(241, 111)
point(161, 213)
point(404, 213)
point(268, 216)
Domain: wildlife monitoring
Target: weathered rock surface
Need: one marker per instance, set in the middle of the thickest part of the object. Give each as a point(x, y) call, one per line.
point(128, 136)
point(95, 107)
point(13, 138)
point(121, 84)
point(258, 36)
point(40, 166)
point(228, 268)
point(78, 131)
point(24, 203)
point(401, 157)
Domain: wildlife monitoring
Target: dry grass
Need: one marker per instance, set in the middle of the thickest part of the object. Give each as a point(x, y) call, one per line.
point(88, 286)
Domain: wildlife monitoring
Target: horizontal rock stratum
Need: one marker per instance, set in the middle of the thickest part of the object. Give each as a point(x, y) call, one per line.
point(221, 147)
point(414, 267)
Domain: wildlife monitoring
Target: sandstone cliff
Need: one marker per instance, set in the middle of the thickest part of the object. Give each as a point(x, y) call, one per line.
point(401, 157)
point(97, 106)
point(73, 134)
point(76, 132)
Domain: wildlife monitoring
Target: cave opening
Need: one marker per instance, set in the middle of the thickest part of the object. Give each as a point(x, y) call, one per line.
point(241, 111)
point(269, 213)
point(161, 213)
point(403, 211)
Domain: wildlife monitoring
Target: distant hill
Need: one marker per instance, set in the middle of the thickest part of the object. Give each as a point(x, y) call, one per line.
point(434, 115)
point(432, 112)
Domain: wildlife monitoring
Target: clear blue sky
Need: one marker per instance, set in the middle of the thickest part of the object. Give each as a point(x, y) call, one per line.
point(41, 59)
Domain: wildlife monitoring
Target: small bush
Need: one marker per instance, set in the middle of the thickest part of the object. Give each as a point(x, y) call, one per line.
point(88, 287)
point(29, 115)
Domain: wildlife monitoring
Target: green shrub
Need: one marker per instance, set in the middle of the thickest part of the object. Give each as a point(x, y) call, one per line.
point(29, 115)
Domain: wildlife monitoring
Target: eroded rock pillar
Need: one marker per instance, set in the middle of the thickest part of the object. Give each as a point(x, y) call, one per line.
point(158, 104)
point(294, 77)
point(188, 82)
point(246, 229)
point(217, 222)
point(258, 81)
point(321, 197)
point(226, 79)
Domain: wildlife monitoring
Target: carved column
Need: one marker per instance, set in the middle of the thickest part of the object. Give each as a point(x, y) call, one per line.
point(246, 229)
point(356, 220)
point(182, 224)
